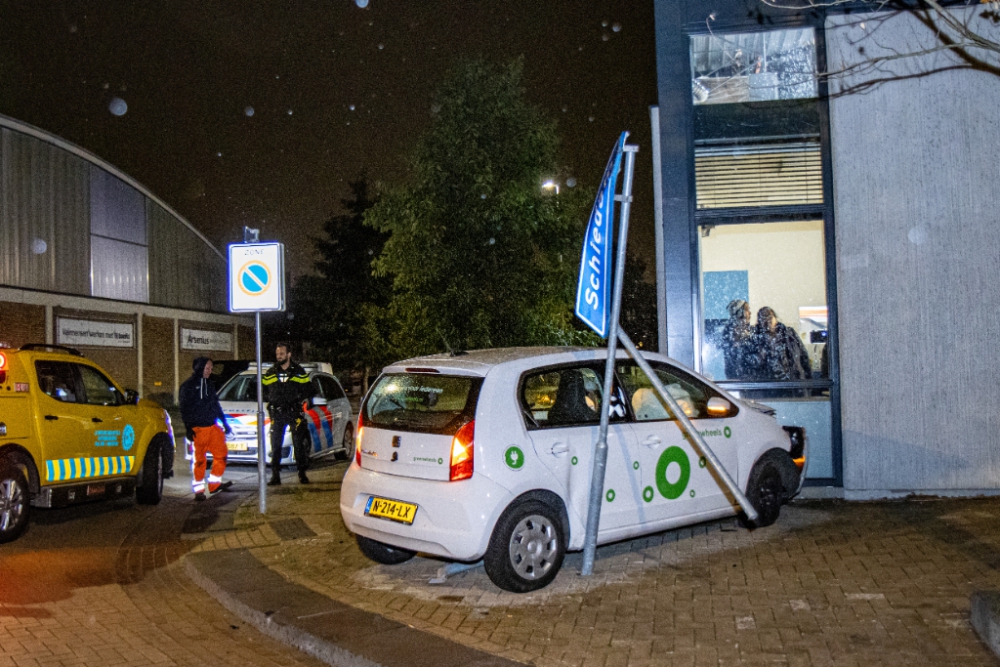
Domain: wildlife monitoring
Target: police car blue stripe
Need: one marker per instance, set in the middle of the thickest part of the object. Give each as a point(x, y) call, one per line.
point(313, 434)
point(325, 418)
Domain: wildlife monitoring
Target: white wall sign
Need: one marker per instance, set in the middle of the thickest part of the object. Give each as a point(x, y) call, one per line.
point(256, 277)
point(94, 334)
point(197, 339)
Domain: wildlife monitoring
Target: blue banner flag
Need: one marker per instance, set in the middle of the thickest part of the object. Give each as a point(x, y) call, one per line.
point(594, 286)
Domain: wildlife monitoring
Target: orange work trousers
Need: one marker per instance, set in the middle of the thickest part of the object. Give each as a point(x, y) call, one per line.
point(208, 440)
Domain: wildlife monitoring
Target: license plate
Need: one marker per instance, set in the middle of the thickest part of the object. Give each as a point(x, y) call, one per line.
point(96, 489)
point(393, 510)
point(235, 446)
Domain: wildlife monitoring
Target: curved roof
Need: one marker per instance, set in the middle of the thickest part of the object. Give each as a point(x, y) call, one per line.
point(31, 130)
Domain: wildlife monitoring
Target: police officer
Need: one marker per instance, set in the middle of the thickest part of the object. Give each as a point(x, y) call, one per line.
point(290, 389)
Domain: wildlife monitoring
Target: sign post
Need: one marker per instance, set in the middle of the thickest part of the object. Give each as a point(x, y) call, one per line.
point(592, 308)
point(257, 284)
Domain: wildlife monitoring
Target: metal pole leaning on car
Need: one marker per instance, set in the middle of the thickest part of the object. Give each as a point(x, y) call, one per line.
point(687, 426)
point(601, 453)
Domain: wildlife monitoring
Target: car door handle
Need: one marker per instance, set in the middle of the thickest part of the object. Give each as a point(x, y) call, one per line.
point(51, 418)
point(651, 440)
point(560, 449)
point(96, 420)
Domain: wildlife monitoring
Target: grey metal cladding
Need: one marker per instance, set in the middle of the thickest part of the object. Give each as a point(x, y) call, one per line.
point(119, 269)
point(184, 272)
point(44, 214)
point(117, 210)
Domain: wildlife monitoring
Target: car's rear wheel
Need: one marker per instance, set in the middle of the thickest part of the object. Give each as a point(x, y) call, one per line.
point(15, 501)
point(380, 552)
point(526, 548)
point(150, 488)
point(765, 492)
point(347, 453)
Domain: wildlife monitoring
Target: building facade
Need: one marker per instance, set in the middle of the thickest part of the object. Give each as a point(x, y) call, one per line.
point(860, 210)
point(92, 260)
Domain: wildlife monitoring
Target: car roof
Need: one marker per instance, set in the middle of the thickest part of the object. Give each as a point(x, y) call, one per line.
point(480, 362)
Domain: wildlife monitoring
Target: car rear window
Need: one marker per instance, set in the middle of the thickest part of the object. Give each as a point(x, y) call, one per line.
point(242, 388)
point(426, 403)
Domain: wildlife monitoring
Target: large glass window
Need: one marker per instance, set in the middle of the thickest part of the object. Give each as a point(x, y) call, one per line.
point(764, 301)
point(753, 66)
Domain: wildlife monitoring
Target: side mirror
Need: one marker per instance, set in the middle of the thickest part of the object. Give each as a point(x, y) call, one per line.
point(131, 397)
point(718, 406)
point(319, 401)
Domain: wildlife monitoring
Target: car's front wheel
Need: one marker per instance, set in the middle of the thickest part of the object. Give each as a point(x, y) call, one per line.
point(14, 502)
point(347, 453)
point(380, 552)
point(150, 488)
point(527, 547)
point(765, 491)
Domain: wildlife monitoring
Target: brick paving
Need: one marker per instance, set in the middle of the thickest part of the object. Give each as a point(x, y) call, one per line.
point(65, 602)
point(832, 583)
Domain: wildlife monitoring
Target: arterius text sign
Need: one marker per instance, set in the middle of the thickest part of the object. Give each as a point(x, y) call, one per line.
point(256, 277)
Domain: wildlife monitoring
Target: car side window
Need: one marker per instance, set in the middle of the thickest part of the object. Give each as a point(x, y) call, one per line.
point(691, 395)
point(331, 388)
point(59, 380)
point(98, 389)
point(566, 397)
point(319, 387)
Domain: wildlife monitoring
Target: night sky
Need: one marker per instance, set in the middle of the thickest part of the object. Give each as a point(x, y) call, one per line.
point(243, 112)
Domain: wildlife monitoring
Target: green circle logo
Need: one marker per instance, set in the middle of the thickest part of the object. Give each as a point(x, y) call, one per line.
point(647, 494)
point(692, 493)
point(702, 462)
point(666, 489)
point(635, 465)
point(610, 495)
point(440, 461)
point(514, 458)
point(574, 460)
point(727, 431)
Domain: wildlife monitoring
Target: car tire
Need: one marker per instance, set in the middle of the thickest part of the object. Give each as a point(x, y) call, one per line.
point(150, 488)
point(383, 553)
point(15, 502)
point(347, 451)
point(765, 492)
point(527, 547)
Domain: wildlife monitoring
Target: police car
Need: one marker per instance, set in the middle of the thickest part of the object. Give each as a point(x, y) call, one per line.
point(489, 455)
point(70, 434)
point(329, 422)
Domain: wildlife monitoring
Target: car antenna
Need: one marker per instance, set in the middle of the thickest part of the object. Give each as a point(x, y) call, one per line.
point(451, 351)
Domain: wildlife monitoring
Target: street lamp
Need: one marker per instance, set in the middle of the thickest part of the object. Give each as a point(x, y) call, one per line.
point(550, 185)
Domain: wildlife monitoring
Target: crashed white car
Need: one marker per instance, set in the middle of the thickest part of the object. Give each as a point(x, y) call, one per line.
point(488, 455)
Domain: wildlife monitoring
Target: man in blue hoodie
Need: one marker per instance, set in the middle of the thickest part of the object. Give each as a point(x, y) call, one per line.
point(206, 426)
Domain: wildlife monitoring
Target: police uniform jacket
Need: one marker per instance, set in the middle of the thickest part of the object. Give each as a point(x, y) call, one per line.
point(288, 389)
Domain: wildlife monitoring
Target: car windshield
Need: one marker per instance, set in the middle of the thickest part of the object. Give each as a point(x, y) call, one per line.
point(242, 388)
point(422, 402)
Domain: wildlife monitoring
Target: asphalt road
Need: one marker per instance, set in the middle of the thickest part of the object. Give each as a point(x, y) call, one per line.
point(100, 584)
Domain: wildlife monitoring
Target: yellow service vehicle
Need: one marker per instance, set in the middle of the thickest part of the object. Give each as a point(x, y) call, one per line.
point(70, 434)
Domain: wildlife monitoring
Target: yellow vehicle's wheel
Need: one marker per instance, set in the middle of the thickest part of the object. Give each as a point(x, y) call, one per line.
point(150, 488)
point(14, 502)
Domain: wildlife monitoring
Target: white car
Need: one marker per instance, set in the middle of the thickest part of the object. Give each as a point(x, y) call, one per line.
point(488, 455)
point(329, 421)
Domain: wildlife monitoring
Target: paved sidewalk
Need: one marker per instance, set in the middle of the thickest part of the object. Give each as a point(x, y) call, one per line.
point(832, 583)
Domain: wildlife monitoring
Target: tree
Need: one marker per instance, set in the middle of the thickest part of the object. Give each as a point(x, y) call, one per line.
point(478, 255)
point(638, 311)
point(339, 310)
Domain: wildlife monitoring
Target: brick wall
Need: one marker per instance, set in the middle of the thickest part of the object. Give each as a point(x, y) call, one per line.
point(21, 323)
point(158, 359)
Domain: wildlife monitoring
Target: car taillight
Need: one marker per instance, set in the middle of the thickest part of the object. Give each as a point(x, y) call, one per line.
point(463, 452)
point(357, 441)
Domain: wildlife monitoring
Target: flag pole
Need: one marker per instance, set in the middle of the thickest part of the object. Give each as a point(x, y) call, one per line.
point(601, 453)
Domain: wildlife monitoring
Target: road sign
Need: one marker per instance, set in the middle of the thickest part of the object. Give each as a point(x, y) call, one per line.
point(592, 303)
point(256, 277)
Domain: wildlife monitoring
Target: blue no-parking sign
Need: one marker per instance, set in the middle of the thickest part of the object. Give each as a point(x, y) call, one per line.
point(256, 277)
point(594, 286)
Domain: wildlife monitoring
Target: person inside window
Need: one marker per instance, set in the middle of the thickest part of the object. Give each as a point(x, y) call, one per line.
point(737, 343)
point(780, 352)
